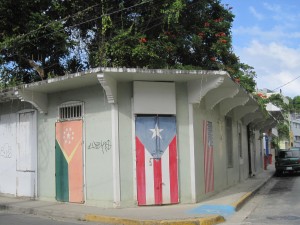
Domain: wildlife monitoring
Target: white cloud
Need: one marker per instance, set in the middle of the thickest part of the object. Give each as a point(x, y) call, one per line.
point(256, 14)
point(272, 7)
point(276, 34)
point(256, 31)
point(286, 15)
point(275, 65)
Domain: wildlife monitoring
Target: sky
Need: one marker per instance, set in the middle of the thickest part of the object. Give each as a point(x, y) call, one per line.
point(266, 36)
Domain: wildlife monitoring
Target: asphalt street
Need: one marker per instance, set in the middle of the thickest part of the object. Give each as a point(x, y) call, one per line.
point(278, 203)
point(8, 218)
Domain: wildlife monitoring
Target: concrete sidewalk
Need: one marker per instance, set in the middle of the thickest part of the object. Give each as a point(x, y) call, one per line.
point(212, 211)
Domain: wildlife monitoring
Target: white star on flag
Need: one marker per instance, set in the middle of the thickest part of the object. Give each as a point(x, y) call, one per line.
point(68, 135)
point(156, 132)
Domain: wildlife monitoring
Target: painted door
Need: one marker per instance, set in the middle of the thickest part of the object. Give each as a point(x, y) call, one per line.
point(69, 161)
point(156, 160)
point(26, 157)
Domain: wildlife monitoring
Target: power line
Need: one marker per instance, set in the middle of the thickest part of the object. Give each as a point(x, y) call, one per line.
point(21, 36)
point(286, 83)
point(72, 26)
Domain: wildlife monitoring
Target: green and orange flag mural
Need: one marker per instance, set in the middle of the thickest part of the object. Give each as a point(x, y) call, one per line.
point(69, 161)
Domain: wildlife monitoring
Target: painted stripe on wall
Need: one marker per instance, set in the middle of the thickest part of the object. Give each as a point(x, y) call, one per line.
point(76, 176)
point(173, 171)
point(208, 156)
point(149, 164)
point(61, 175)
point(157, 181)
point(140, 172)
point(166, 185)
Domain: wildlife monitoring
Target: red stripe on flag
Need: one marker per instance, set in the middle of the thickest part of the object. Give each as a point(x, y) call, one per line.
point(157, 181)
point(211, 182)
point(140, 172)
point(173, 171)
point(205, 153)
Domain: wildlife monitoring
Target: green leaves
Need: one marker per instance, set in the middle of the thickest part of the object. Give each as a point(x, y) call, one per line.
point(61, 36)
point(173, 10)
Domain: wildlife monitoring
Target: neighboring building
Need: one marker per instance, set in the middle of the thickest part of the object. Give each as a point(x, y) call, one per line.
point(276, 112)
point(117, 137)
point(295, 129)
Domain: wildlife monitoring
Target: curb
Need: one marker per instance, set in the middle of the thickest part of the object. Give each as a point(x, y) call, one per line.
point(246, 197)
point(210, 220)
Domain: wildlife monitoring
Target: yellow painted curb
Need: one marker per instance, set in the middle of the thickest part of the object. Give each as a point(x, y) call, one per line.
point(210, 220)
point(238, 204)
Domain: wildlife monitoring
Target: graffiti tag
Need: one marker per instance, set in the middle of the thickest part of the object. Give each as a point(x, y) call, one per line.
point(5, 151)
point(104, 146)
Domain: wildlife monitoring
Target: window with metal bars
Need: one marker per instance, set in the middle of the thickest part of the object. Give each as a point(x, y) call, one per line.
point(70, 111)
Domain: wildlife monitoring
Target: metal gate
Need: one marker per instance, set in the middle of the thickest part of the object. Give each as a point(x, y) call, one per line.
point(69, 161)
point(156, 160)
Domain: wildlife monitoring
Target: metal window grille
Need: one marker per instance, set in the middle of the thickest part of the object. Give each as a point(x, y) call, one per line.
point(70, 111)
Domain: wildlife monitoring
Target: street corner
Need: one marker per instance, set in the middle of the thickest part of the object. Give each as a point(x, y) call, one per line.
point(208, 220)
point(240, 202)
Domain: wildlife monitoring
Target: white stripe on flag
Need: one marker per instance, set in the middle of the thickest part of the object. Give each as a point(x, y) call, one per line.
point(150, 199)
point(166, 177)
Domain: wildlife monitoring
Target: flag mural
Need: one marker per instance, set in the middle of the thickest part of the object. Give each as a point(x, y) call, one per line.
point(156, 160)
point(208, 156)
point(69, 161)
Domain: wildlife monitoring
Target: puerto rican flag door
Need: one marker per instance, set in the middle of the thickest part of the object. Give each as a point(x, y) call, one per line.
point(156, 160)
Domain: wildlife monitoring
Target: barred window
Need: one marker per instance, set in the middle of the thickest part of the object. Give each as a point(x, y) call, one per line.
point(70, 111)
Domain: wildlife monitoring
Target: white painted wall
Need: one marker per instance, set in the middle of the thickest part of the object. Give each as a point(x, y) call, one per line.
point(8, 153)
point(17, 150)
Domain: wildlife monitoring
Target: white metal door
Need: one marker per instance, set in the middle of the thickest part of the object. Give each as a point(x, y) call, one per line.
point(26, 154)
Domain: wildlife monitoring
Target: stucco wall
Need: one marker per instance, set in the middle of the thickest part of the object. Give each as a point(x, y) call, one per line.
point(224, 177)
point(96, 128)
point(126, 144)
point(8, 145)
point(220, 157)
point(8, 153)
point(182, 120)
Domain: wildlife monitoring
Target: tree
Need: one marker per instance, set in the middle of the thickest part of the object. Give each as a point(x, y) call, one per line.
point(33, 41)
point(295, 103)
point(174, 34)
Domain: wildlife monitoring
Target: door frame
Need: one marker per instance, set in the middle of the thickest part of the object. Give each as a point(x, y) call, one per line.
point(34, 143)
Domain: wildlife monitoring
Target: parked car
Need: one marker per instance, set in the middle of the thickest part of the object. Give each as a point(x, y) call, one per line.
point(287, 161)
